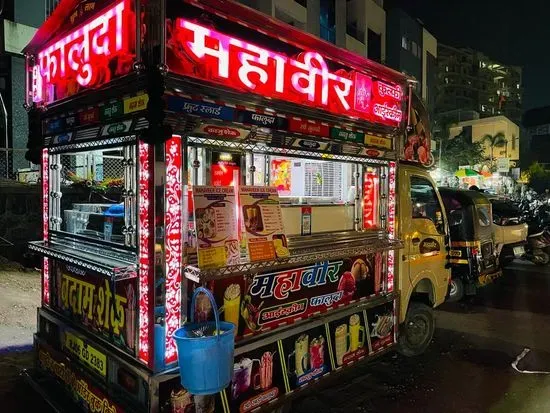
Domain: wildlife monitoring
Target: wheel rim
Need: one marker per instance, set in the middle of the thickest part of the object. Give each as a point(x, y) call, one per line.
point(418, 328)
point(452, 288)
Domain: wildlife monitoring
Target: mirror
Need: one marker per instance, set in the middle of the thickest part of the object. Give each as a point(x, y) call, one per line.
point(456, 217)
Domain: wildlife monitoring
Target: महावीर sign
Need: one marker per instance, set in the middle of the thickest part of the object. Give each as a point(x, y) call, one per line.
point(89, 56)
point(275, 298)
point(204, 53)
point(88, 299)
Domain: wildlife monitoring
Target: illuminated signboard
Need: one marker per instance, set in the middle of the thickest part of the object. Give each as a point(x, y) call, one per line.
point(306, 79)
point(89, 56)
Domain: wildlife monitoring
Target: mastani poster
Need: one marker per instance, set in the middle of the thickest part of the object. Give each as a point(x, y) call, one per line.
point(257, 379)
point(348, 337)
point(306, 356)
point(173, 398)
point(90, 300)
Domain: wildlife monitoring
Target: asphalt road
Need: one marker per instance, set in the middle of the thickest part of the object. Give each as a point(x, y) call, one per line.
point(467, 369)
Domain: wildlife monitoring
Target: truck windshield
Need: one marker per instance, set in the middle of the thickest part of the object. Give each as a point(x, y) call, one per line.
point(484, 214)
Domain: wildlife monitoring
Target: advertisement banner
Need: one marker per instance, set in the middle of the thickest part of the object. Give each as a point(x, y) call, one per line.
point(269, 300)
point(306, 357)
point(90, 301)
point(83, 392)
point(382, 326)
point(417, 146)
point(348, 338)
point(257, 379)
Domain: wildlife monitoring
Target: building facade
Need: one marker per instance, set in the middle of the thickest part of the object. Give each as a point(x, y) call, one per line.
point(357, 25)
point(469, 80)
point(478, 129)
point(413, 50)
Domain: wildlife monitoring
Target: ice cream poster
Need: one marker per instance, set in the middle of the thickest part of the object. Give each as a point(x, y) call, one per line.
point(348, 339)
point(257, 379)
point(306, 357)
point(382, 326)
point(173, 398)
point(216, 226)
point(272, 299)
point(262, 223)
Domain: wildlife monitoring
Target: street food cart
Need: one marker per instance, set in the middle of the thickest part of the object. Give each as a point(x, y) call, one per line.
point(202, 143)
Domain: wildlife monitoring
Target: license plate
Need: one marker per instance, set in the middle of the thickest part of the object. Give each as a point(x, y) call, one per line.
point(90, 356)
point(519, 251)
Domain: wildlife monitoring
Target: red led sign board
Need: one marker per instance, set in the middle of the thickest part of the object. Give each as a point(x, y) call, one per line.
point(201, 52)
point(89, 56)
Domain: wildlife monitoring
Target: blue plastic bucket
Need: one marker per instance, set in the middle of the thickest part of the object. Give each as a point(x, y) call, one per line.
point(205, 363)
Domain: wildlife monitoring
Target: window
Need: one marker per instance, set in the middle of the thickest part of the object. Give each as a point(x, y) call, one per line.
point(327, 20)
point(484, 215)
point(404, 43)
point(374, 46)
point(425, 204)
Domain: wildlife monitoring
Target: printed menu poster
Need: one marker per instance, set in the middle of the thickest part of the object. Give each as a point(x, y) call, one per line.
point(382, 324)
point(262, 223)
point(173, 398)
point(257, 379)
point(348, 338)
point(306, 357)
point(216, 226)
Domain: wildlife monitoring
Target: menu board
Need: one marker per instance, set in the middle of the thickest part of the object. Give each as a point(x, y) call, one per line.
point(258, 378)
point(262, 223)
point(216, 226)
point(382, 325)
point(348, 338)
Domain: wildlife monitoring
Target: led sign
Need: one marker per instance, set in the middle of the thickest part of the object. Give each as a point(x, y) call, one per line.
point(90, 55)
point(200, 52)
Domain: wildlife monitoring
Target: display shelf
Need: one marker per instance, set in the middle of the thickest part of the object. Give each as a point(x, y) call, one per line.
point(317, 248)
point(113, 268)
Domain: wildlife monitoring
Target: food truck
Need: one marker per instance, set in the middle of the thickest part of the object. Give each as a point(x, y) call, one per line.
point(200, 143)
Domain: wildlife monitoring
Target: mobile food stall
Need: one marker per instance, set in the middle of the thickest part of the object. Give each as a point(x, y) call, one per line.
point(190, 144)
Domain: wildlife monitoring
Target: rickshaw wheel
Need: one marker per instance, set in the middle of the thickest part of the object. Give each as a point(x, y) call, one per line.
point(456, 290)
point(416, 333)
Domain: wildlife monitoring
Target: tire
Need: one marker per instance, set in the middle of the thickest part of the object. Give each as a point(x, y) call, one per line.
point(456, 290)
point(417, 331)
point(541, 258)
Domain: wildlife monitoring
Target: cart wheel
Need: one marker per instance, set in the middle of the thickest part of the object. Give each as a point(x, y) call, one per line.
point(541, 258)
point(456, 290)
point(416, 332)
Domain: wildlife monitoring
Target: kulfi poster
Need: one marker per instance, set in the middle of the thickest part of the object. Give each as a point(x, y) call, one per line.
point(262, 221)
point(216, 226)
point(349, 339)
point(417, 146)
point(306, 357)
point(270, 300)
point(382, 326)
point(257, 379)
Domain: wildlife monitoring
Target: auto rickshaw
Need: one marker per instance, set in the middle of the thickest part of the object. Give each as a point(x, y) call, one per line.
point(472, 256)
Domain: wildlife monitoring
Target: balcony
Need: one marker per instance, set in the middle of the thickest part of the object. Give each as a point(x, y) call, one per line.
point(354, 45)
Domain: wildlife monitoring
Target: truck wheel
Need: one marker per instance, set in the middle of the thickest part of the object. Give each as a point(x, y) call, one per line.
point(416, 332)
point(456, 290)
point(541, 258)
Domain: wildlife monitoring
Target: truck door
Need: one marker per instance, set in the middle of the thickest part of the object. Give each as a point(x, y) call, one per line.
point(424, 235)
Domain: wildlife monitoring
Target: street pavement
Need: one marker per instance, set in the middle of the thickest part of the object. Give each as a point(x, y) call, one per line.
point(467, 369)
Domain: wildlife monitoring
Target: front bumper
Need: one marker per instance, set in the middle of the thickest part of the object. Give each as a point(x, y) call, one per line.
point(507, 250)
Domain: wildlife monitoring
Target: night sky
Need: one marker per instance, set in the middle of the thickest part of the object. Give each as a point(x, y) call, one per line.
point(513, 32)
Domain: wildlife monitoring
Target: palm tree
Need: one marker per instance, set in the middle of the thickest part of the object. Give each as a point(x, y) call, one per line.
point(498, 140)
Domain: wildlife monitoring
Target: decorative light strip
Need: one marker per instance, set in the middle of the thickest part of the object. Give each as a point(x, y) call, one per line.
point(391, 224)
point(45, 223)
point(145, 259)
point(173, 242)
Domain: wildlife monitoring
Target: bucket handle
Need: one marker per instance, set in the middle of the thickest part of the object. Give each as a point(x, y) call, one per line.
point(214, 306)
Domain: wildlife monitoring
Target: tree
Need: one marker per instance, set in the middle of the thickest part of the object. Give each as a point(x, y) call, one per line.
point(498, 140)
point(460, 151)
point(539, 178)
